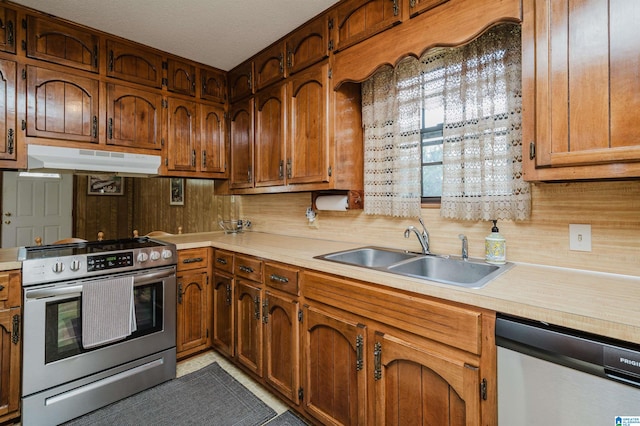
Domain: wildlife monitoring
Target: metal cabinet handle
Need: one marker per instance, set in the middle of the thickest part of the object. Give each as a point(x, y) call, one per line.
point(180, 293)
point(193, 260)
point(265, 311)
point(256, 307)
point(279, 278)
point(10, 142)
point(246, 269)
point(221, 260)
point(15, 334)
point(228, 300)
point(377, 361)
point(359, 348)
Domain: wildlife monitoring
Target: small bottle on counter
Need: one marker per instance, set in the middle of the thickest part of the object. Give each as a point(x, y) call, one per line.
point(495, 246)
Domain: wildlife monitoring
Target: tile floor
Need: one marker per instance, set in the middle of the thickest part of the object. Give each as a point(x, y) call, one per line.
point(198, 361)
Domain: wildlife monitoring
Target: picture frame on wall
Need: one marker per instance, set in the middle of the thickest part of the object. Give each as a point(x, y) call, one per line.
point(105, 185)
point(177, 192)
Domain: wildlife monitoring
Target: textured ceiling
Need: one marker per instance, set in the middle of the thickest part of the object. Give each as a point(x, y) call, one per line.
point(220, 33)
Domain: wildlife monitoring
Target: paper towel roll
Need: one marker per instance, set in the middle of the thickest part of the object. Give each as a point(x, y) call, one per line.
point(338, 203)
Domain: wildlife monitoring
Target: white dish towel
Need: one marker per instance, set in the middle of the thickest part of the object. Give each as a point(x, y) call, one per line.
point(108, 311)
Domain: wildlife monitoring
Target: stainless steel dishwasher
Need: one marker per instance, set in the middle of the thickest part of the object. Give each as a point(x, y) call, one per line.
point(550, 375)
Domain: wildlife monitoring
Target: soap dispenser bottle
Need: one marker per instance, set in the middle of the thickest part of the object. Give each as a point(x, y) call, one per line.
point(495, 246)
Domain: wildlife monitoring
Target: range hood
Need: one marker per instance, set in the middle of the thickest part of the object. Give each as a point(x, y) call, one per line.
point(89, 161)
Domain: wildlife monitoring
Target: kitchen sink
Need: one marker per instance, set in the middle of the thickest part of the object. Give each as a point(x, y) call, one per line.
point(370, 257)
point(453, 270)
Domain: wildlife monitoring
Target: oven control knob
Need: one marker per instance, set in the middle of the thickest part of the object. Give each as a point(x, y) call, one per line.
point(57, 267)
point(167, 254)
point(75, 265)
point(142, 257)
point(155, 255)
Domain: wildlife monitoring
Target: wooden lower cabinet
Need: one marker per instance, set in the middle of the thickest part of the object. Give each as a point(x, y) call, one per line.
point(417, 385)
point(193, 302)
point(10, 344)
point(334, 365)
point(249, 326)
point(223, 335)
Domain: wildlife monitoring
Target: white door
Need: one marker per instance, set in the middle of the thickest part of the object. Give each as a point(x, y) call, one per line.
point(35, 207)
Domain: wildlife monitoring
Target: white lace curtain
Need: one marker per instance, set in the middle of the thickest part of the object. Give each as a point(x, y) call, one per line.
point(480, 88)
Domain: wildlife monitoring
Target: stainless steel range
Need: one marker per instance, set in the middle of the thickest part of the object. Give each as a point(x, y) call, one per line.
point(99, 324)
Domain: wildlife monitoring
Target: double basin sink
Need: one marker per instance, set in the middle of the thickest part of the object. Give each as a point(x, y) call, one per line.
point(469, 273)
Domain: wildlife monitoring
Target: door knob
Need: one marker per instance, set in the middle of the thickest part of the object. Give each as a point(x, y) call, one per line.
point(7, 222)
point(7, 214)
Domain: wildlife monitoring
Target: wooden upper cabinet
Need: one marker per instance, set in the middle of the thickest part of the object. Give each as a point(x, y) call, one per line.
point(356, 20)
point(308, 45)
point(270, 134)
point(241, 141)
point(241, 81)
point(181, 142)
point(213, 147)
point(7, 30)
point(581, 85)
point(62, 44)
point(134, 63)
point(213, 85)
point(181, 77)
point(418, 6)
point(308, 147)
point(61, 105)
point(133, 117)
point(269, 66)
point(8, 122)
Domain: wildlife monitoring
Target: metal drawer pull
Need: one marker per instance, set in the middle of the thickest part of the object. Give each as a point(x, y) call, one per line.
point(279, 278)
point(1, 287)
point(377, 361)
point(221, 260)
point(246, 269)
point(359, 347)
point(193, 260)
point(256, 307)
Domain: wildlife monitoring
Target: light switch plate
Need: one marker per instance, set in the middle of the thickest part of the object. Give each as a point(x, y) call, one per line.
point(580, 237)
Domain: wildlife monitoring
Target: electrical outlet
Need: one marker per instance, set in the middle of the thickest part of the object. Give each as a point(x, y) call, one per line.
point(579, 237)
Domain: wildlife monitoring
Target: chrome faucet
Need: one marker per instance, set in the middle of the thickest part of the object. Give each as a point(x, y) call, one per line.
point(465, 246)
point(423, 237)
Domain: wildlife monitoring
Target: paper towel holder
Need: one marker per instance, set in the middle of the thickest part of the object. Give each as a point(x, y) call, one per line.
point(355, 199)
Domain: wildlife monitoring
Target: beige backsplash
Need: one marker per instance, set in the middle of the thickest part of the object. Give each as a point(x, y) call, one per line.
point(612, 209)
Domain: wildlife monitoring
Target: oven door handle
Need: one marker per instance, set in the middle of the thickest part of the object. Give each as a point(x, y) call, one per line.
point(76, 290)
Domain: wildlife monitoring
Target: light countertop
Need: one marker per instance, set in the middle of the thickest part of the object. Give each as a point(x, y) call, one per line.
point(600, 303)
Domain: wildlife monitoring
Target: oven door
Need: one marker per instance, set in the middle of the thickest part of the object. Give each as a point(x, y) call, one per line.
point(53, 352)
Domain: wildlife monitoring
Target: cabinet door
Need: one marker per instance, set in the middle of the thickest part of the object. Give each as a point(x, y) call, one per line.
point(223, 321)
point(281, 344)
point(134, 63)
point(418, 386)
point(193, 313)
point(418, 6)
point(10, 360)
point(214, 85)
point(270, 136)
point(583, 57)
point(213, 147)
point(62, 43)
point(241, 138)
point(335, 370)
point(181, 77)
point(357, 20)
point(8, 110)
point(181, 141)
point(7, 30)
point(308, 45)
point(133, 117)
point(249, 326)
point(308, 147)
point(61, 105)
point(241, 81)
point(269, 66)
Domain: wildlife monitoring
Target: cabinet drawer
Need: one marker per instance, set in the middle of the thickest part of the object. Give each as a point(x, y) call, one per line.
point(249, 268)
point(223, 261)
point(193, 258)
point(282, 277)
point(10, 289)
